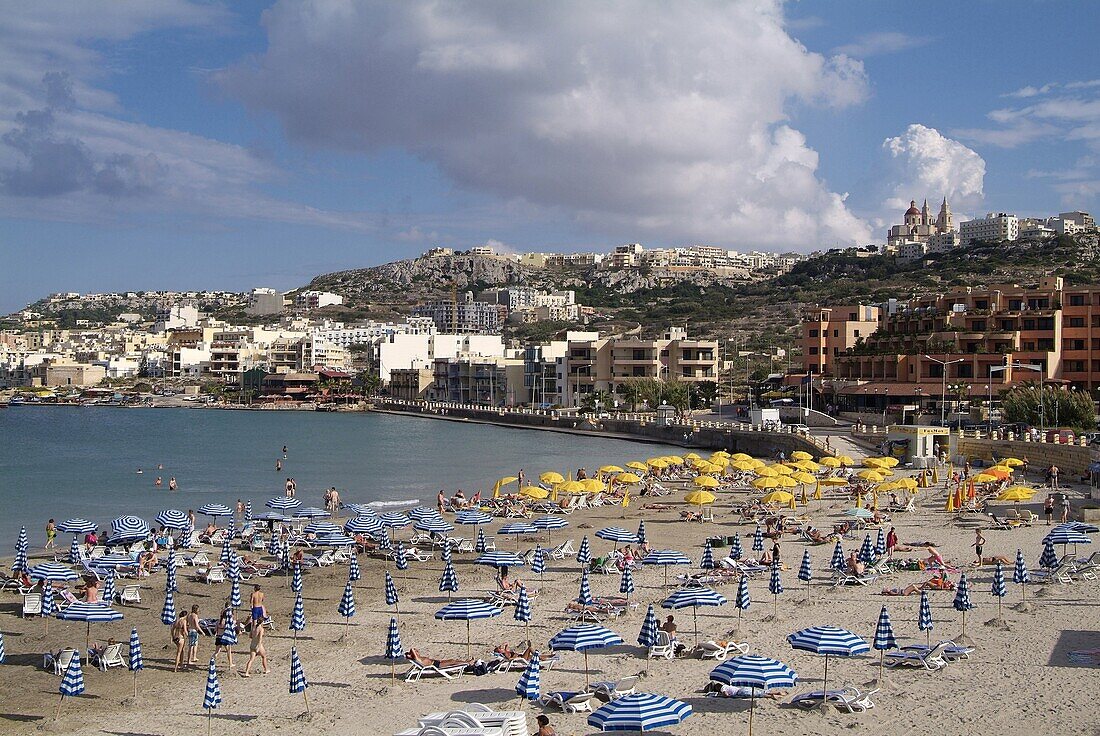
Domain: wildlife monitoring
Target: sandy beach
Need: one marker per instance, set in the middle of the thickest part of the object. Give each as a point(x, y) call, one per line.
point(1020, 679)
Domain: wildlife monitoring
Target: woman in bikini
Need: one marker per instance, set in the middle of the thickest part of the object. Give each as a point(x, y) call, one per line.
point(179, 638)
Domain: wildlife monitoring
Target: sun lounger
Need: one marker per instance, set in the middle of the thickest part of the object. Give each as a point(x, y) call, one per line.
point(847, 698)
point(199, 559)
point(32, 604)
point(615, 690)
point(130, 595)
point(928, 659)
point(1060, 574)
point(570, 702)
point(60, 661)
point(842, 579)
point(97, 551)
point(1003, 524)
point(460, 731)
point(509, 722)
point(664, 648)
point(110, 657)
point(417, 671)
point(562, 551)
point(721, 650)
point(952, 652)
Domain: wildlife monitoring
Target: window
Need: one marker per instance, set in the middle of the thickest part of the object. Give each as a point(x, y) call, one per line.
point(1077, 300)
point(1015, 305)
point(978, 325)
point(852, 316)
point(981, 304)
point(1029, 324)
point(1045, 323)
point(1075, 366)
point(1096, 343)
point(638, 354)
point(966, 370)
point(813, 333)
point(1076, 322)
point(1008, 325)
point(1045, 343)
point(855, 333)
point(1075, 344)
point(836, 351)
point(813, 351)
point(836, 333)
point(935, 370)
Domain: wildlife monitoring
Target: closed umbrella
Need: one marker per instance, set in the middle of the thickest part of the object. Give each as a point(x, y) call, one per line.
point(693, 597)
point(742, 601)
point(212, 697)
point(707, 561)
point(19, 564)
point(72, 684)
point(448, 581)
point(775, 585)
point(479, 545)
point(355, 573)
point(924, 617)
point(828, 641)
point(170, 582)
point(639, 712)
point(296, 578)
point(49, 608)
point(641, 532)
point(884, 637)
point(585, 595)
point(297, 617)
point(298, 681)
point(523, 611)
point(1048, 559)
point(89, 613)
point(962, 601)
point(1020, 574)
point(391, 593)
point(584, 554)
point(528, 685)
point(647, 635)
point(626, 582)
point(467, 609)
point(999, 589)
point(538, 562)
point(74, 551)
point(347, 606)
point(135, 662)
point(168, 612)
point(582, 638)
point(394, 652)
point(735, 549)
point(866, 551)
point(108, 594)
point(756, 673)
point(2, 655)
point(880, 544)
point(805, 571)
point(758, 540)
point(837, 561)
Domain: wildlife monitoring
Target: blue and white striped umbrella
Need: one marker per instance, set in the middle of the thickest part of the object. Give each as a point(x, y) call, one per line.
point(584, 597)
point(72, 684)
point(999, 589)
point(391, 591)
point(384, 542)
point(395, 519)
point(518, 527)
point(467, 609)
point(423, 512)
point(884, 632)
point(309, 512)
point(500, 559)
point(962, 595)
point(584, 554)
point(74, 551)
point(168, 612)
point(523, 606)
point(108, 594)
point(528, 685)
point(233, 569)
point(1067, 535)
point(639, 712)
point(212, 698)
point(235, 593)
point(283, 503)
point(694, 597)
point(113, 560)
point(170, 582)
point(19, 564)
point(53, 572)
point(321, 528)
point(838, 562)
point(866, 550)
point(647, 635)
point(735, 549)
point(76, 526)
point(228, 637)
point(582, 637)
point(2, 652)
point(479, 545)
point(805, 570)
point(270, 516)
point(448, 581)
point(360, 509)
point(829, 640)
point(880, 544)
point(90, 613)
point(273, 547)
point(707, 562)
point(136, 662)
point(1020, 574)
point(617, 534)
point(394, 650)
point(298, 681)
point(354, 571)
point(666, 557)
point(538, 562)
point(1049, 559)
point(437, 526)
point(549, 523)
point(626, 582)
point(775, 584)
point(641, 532)
point(214, 509)
point(334, 540)
point(755, 671)
point(758, 539)
point(1078, 526)
point(128, 529)
point(400, 560)
point(924, 613)
point(49, 607)
point(298, 615)
point(743, 601)
point(248, 511)
point(472, 517)
point(445, 553)
point(227, 550)
point(347, 603)
point(173, 519)
point(296, 578)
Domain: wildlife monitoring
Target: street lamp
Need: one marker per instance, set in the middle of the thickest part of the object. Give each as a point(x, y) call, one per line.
point(943, 395)
point(1042, 406)
point(989, 407)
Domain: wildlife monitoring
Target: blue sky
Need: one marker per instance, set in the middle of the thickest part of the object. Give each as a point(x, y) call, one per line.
point(177, 144)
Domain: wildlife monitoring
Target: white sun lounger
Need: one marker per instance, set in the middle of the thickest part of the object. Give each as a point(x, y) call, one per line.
point(847, 698)
point(417, 671)
point(714, 650)
point(615, 690)
point(928, 659)
point(508, 722)
point(570, 702)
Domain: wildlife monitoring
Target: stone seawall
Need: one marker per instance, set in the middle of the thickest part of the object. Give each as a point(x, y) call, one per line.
point(1072, 460)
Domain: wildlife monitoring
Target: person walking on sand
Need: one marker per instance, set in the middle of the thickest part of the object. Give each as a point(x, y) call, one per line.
point(979, 542)
point(193, 632)
point(179, 638)
point(222, 642)
point(1048, 508)
point(256, 648)
point(51, 534)
point(1065, 508)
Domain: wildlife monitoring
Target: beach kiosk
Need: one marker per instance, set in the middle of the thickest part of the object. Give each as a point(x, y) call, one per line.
point(916, 444)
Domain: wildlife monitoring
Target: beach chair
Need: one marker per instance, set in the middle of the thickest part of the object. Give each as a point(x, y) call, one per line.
point(59, 662)
point(478, 715)
point(466, 545)
point(721, 651)
point(927, 659)
point(663, 648)
point(14, 583)
point(111, 656)
point(841, 580)
point(615, 690)
point(417, 671)
point(1003, 524)
point(199, 559)
point(458, 731)
point(97, 551)
point(67, 598)
point(32, 604)
point(91, 570)
point(1059, 574)
point(570, 702)
point(847, 698)
point(130, 595)
point(952, 652)
point(215, 574)
point(418, 555)
point(562, 551)
point(326, 559)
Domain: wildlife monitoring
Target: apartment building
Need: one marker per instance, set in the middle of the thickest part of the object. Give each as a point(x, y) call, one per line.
point(828, 332)
point(992, 228)
point(466, 317)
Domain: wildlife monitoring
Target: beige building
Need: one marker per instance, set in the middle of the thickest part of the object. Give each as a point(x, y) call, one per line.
point(829, 332)
point(73, 374)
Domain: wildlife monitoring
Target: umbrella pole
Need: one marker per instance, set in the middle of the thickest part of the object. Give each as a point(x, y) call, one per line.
point(695, 622)
point(881, 654)
point(58, 713)
point(586, 682)
point(135, 683)
point(752, 704)
point(393, 675)
point(468, 647)
point(208, 712)
point(825, 683)
point(305, 695)
point(88, 637)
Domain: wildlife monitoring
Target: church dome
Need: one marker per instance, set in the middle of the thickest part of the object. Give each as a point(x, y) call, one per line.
point(912, 209)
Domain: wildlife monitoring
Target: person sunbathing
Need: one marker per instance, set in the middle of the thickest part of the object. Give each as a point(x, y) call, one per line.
point(690, 516)
point(815, 536)
point(657, 506)
point(997, 558)
point(940, 582)
point(855, 567)
point(842, 528)
point(509, 654)
point(716, 689)
point(935, 559)
point(415, 656)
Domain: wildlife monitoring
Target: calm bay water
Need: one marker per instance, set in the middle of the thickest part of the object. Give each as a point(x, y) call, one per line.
point(82, 461)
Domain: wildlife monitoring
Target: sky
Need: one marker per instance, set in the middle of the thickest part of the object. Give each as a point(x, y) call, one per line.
point(189, 144)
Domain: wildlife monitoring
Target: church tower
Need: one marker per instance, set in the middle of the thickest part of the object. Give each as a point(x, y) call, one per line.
point(925, 215)
point(945, 222)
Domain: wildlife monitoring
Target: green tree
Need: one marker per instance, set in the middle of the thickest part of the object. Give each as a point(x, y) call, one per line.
point(1059, 406)
point(596, 401)
point(703, 394)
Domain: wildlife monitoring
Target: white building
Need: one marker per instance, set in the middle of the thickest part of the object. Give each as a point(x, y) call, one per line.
point(176, 316)
point(993, 228)
point(911, 250)
point(265, 301)
point(317, 299)
point(420, 351)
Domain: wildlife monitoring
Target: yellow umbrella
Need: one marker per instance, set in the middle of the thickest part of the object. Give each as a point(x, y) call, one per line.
point(721, 462)
point(591, 485)
point(781, 469)
point(874, 462)
point(1002, 468)
point(870, 475)
point(757, 463)
point(706, 481)
point(673, 459)
point(830, 462)
point(1016, 493)
point(637, 465)
point(720, 453)
point(710, 468)
point(766, 482)
point(779, 497)
point(503, 482)
point(985, 478)
point(906, 483)
point(551, 477)
point(801, 455)
point(611, 469)
point(803, 477)
point(1012, 462)
point(571, 486)
point(742, 465)
point(808, 465)
point(657, 462)
point(884, 472)
point(884, 487)
point(890, 462)
point(786, 481)
point(766, 472)
point(627, 478)
point(832, 482)
point(692, 456)
point(534, 492)
point(740, 456)
point(700, 497)
point(846, 460)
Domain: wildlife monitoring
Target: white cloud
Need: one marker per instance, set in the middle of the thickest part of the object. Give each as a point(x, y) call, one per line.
point(1066, 111)
point(922, 162)
point(883, 42)
point(664, 119)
